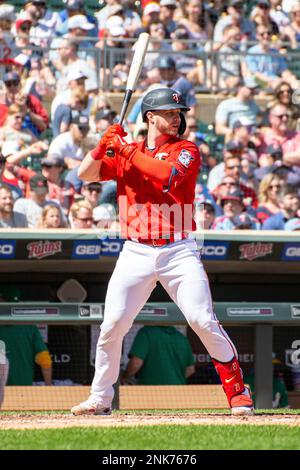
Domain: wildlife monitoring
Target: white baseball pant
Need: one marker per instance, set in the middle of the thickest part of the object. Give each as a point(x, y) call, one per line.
point(178, 268)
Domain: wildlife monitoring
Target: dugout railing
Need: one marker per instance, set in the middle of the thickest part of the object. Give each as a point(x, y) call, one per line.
point(254, 278)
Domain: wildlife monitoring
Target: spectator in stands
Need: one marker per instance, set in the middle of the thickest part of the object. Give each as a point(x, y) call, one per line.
point(170, 78)
point(195, 21)
point(233, 169)
point(64, 113)
point(267, 66)
point(111, 8)
point(236, 16)
point(228, 184)
point(230, 150)
point(233, 208)
point(292, 29)
point(78, 29)
point(205, 214)
point(22, 29)
point(58, 189)
point(231, 67)
point(103, 119)
point(44, 21)
point(268, 197)
point(289, 203)
point(150, 15)
point(36, 115)
point(278, 15)
point(68, 61)
point(280, 135)
point(91, 192)
point(68, 146)
point(13, 127)
point(51, 218)
point(81, 215)
point(76, 81)
point(73, 8)
point(239, 107)
point(33, 205)
point(7, 18)
point(261, 15)
point(9, 217)
point(188, 62)
point(159, 355)
point(283, 95)
point(166, 16)
point(157, 45)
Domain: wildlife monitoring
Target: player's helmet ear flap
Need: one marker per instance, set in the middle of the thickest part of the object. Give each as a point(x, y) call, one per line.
point(182, 127)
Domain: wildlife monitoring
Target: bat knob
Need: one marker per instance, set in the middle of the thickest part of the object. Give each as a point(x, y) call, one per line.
point(110, 153)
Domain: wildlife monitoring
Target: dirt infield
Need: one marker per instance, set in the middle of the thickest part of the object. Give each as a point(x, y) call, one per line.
point(44, 421)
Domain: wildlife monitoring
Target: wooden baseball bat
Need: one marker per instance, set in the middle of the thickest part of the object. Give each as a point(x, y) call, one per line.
point(133, 76)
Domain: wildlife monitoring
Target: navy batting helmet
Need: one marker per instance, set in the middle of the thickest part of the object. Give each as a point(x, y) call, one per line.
point(164, 99)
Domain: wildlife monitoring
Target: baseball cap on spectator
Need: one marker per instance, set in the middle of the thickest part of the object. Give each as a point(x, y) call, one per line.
point(115, 26)
point(242, 121)
point(263, 2)
point(52, 160)
point(151, 8)
point(232, 3)
point(107, 114)
point(74, 4)
point(166, 62)
point(180, 33)
point(11, 77)
point(81, 120)
point(38, 184)
point(7, 12)
point(233, 196)
point(233, 147)
point(115, 9)
point(205, 201)
point(168, 3)
point(292, 224)
point(79, 21)
point(95, 185)
point(104, 212)
point(274, 151)
point(76, 74)
point(9, 148)
point(242, 221)
point(250, 82)
point(23, 18)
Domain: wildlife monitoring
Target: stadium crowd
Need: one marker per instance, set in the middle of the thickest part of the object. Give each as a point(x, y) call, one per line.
point(57, 63)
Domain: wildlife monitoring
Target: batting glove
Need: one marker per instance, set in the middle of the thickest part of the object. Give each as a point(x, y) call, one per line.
point(120, 146)
point(99, 152)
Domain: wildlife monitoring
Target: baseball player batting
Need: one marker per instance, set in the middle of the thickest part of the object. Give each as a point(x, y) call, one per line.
point(153, 176)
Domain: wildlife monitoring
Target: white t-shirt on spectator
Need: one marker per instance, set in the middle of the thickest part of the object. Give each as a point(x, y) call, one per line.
point(62, 83)
point(64, 98)
point(63, 146)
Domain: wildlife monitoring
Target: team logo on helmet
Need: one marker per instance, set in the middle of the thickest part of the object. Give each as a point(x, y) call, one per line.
point(176, 97)
point(185, 158)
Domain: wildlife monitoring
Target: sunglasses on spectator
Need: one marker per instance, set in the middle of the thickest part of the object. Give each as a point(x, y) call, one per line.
point(209, 209)
point(275, 186)
point(83, 129)
point(265, 33)
point(281, 116)
point(234, 166)
point(11, 83)
point(228, 184)
point(263, 6)
point(18, 116)
point(285, 91)
point(238, 6)
point(98, 189)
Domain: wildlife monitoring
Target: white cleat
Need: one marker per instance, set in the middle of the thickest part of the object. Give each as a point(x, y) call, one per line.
point(90, 407)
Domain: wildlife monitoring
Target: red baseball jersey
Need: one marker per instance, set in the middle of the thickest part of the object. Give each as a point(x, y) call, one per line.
point(147, 209)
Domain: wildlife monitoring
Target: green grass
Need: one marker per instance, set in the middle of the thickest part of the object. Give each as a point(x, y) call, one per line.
point(154, 438)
